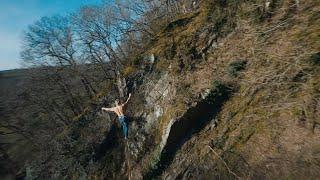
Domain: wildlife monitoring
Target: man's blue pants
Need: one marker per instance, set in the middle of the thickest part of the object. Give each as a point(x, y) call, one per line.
point(124, 124)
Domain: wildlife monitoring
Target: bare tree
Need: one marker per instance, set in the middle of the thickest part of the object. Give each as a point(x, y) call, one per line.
point(51, 42)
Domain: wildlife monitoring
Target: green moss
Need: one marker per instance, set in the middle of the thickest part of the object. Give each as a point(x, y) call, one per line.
point(155, 159)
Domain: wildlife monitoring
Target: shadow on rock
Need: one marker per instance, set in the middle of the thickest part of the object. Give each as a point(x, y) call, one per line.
point(109, 142)
point(194, 120)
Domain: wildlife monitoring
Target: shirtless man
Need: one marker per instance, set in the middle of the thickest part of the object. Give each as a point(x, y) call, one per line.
point(119, 109)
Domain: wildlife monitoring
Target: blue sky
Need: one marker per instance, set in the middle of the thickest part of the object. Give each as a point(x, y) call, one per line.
point(16, 15)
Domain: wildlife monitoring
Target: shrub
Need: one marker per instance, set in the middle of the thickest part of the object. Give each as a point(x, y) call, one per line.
point(138, 60)
point(162, 65)
point(236, 66)
point(315, 59)
point(128, 70)
point(217, 91)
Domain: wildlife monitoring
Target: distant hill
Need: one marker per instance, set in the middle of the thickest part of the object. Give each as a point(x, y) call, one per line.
point(10, 81)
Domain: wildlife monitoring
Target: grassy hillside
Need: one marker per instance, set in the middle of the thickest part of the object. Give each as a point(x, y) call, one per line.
point(10, 81)
point(269, 127)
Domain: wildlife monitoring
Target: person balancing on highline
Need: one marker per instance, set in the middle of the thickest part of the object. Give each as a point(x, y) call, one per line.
point(119, 110)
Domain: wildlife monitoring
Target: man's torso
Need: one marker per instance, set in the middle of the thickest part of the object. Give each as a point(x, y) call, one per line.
point(119, 110)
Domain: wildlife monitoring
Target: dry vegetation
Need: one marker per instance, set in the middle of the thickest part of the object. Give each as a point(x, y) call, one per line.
point(272, 122)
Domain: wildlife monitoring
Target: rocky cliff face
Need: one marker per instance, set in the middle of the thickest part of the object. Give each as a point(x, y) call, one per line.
point(234, 95)
point(242, 102)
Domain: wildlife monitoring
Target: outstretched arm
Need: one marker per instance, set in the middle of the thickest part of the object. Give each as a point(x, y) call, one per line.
point(107, 109)
point(127, 99)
